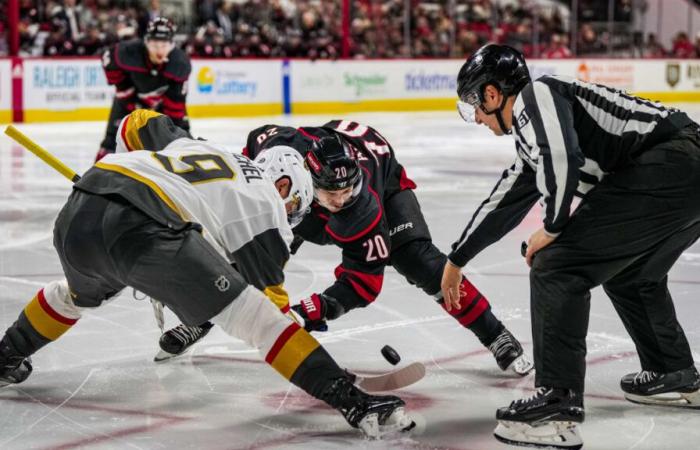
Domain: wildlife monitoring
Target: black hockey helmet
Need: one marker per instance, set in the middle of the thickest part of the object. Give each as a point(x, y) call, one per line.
point(499, 65)
point(333, 164)
point(160, 29)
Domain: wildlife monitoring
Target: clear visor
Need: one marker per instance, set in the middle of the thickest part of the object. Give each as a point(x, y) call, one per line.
point(466, 111)
point(467, 107)
point(295, 214)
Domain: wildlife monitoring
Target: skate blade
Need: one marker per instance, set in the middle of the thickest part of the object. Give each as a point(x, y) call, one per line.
point(521, 365)
point(398, 422)
point(164, 356)
point(673, 399)
point(563, 435)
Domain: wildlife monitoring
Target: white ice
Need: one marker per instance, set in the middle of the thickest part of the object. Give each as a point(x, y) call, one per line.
point(97, 386)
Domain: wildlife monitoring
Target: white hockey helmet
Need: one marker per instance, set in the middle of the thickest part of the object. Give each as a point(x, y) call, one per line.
point(282, 161)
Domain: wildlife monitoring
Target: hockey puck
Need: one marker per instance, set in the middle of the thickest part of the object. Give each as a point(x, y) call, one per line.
point(523, 248)
point(390, 355)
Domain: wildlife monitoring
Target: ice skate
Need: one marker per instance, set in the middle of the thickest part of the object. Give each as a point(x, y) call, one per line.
point(509, 354)
point(547, 419)
point(178, 340)
point(15, 370)
point(376, 416)
point(680, 388)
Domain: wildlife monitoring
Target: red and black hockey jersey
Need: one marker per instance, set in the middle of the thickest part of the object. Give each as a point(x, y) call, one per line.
point(361, 230)
point(140, 83)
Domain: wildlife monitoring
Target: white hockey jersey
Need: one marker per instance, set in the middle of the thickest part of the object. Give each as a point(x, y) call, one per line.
point(226, 193)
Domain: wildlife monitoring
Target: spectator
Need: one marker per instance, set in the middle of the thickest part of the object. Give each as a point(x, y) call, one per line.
point(652, 48)
point(557, 47)
point(682, 47)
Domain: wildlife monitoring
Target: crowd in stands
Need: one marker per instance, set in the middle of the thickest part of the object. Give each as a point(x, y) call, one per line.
point(314, 28)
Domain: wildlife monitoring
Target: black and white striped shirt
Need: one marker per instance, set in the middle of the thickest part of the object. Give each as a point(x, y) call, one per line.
point(569, 134)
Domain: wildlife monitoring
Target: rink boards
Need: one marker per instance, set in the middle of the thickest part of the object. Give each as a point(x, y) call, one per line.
point(75, 89)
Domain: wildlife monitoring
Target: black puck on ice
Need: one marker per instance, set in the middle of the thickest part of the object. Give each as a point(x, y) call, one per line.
point(523, 248)
point(391, 355)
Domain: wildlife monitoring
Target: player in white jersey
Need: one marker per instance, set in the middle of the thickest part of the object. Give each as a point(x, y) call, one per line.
point(170, 224)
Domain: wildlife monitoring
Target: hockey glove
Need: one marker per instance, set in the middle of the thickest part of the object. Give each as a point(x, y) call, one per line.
point(313, 311)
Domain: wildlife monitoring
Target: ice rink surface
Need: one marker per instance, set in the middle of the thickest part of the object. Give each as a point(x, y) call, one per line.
point(97, 387)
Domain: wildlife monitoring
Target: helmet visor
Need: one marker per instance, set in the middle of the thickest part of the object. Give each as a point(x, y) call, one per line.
point(467, 111)
point(295, 210)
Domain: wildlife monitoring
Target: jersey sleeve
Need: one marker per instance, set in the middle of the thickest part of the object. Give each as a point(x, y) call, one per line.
point(117, 75)
point(177, 72)
point(261, 262)
point(510, 200)
point(560, 157)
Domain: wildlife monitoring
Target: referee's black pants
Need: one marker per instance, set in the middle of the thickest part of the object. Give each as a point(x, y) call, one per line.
point(626, 235)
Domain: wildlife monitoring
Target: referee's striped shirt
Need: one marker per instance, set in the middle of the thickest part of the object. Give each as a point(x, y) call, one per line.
point(569, 134)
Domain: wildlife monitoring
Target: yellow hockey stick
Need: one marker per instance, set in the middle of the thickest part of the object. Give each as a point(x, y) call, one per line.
point(42, 153)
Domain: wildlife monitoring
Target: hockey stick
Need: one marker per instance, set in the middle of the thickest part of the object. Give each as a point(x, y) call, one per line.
point(43, 154)
point(391, 381)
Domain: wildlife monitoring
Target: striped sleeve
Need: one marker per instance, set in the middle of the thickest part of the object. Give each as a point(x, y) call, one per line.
point(560, 157)
point(503, 210)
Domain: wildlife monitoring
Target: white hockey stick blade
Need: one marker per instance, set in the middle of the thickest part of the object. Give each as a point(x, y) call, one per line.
point(391, 381)
point(561, 435)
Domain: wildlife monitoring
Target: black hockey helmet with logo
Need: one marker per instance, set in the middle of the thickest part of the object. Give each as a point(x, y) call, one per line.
point(333, 164)
point(499, 65)
point(160, 29)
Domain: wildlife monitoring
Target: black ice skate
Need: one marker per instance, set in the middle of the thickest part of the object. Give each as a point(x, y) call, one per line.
point(509, 354)
point(375, 415)
point(14, 370)
point(546, 419)
point(680, 388)
point(178, 340)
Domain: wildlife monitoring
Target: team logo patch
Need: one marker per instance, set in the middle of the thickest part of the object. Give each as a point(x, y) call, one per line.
point(222, 284)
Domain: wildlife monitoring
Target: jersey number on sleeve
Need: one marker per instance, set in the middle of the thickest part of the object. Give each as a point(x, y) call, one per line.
point(376, 248)
point(201, 168)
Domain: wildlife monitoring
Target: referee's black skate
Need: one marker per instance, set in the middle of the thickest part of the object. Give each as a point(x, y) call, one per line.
point(546, 419)
point(680, 388)
point(178, 340)
point(509, 354)
point(14, 369)
point(375, 415)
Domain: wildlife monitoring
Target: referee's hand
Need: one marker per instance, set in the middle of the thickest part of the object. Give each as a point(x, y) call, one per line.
point(451, 279)
point(539, 240)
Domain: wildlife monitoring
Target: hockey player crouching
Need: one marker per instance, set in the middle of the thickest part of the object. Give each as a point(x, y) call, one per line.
point(149, 74)
point(636, 164)
point(170, 223)
point(364, 204)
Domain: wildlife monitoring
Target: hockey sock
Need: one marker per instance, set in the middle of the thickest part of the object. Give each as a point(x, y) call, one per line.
point(45, 318)
point(474, 312)
point(287, 347)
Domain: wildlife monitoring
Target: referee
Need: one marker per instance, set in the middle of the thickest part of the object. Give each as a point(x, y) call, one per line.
point(636, 165)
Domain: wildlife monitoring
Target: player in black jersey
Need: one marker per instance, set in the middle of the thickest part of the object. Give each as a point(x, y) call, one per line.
point(150, 74)
point(364, 204)
point(636, 165)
